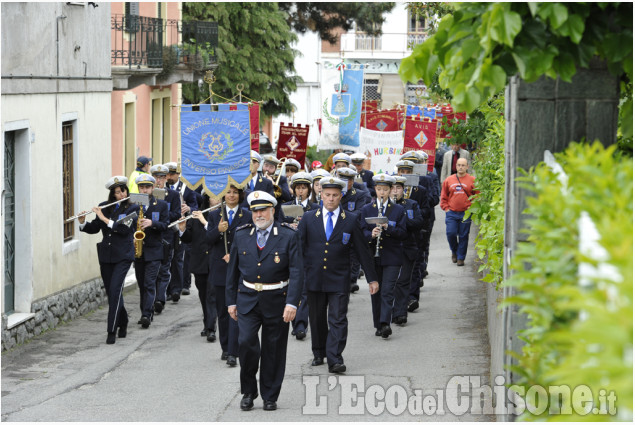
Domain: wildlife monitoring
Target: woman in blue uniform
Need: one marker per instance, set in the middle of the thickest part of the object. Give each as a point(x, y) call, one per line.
point(115, 251)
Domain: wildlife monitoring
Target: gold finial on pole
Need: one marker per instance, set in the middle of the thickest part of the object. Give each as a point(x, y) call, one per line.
point(210, 79)
point(240, 87)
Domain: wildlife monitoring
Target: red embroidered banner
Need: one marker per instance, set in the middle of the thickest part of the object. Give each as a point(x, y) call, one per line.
point(421, 136)
point(292, 142)
point(370, 105)
point(387, 120)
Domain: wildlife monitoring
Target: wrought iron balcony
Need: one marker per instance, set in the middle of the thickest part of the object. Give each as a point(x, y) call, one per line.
point(149, 49)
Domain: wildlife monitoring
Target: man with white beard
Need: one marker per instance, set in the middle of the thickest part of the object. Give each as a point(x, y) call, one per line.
point(265, 276)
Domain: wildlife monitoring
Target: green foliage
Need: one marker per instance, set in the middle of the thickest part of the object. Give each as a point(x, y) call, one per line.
point(432, 11)
point(325, 17)
point(578, 333)
point(254, 49)
point(488, 207)
point(481, 44)
point(313, 154)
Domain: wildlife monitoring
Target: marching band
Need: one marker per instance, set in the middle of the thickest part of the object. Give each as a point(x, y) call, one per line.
point(325, 229)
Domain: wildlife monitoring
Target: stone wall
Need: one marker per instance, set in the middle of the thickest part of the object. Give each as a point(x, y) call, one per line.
point(50, 311)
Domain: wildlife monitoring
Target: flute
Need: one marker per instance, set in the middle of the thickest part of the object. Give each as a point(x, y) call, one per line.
point(381, 208)
point(90, 212)
point(181, 220)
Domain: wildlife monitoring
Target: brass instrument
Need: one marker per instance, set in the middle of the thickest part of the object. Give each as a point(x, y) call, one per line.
point(90, 212)
point(139, 236)
point(277, 191)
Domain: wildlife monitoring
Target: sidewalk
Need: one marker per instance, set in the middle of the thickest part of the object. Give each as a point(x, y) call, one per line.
point(169, 373)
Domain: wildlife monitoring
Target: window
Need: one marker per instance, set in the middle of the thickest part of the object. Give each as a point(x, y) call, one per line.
point(372, 90)
point(364, 41)
point(131, 10)
point(416, 29)
point(67, 178)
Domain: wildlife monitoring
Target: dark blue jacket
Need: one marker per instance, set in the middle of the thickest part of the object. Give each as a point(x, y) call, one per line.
point(189, 196)
point(354, 200)
point(152, 246)
point(280, 260)
point(116, 244)
point(261, 184)
point(200, 255)
point(218, 266)
point(432, 188)
point(327, 263)
point(391, 247)
point(414, 224)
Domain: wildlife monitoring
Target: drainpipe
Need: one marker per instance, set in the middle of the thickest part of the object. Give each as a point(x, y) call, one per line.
point(57, 41)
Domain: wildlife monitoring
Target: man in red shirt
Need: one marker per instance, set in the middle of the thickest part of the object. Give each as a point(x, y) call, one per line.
point(455, 200)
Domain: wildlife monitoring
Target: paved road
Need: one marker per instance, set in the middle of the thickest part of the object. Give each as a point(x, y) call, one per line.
point(169, 373)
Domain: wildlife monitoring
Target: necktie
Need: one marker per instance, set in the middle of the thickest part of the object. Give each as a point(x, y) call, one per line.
point(329, 225)
point(251, 185)
point(262, 238)
point(231, 217)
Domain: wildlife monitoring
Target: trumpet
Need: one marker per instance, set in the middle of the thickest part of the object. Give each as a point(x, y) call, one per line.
point(277, 191)
point(90, 212)
point(181, 220)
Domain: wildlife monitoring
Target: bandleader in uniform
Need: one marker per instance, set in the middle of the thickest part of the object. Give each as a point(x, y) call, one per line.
point(267, 257)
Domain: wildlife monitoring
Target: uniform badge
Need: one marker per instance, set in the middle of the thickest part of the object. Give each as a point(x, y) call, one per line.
point(351, 206)
point(121, 216)
point(276, 259)
point(391, 223)
point(410, 214)
point(168, 206)
point(156, 216)
point(345, 238)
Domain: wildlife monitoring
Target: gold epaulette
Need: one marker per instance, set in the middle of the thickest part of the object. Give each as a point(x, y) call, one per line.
point(244, 226)
point(288, 226)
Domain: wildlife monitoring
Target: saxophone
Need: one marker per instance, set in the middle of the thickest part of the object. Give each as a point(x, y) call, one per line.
point(139, 236)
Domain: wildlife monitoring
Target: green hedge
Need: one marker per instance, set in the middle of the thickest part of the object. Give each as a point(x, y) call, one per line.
point(578, 334)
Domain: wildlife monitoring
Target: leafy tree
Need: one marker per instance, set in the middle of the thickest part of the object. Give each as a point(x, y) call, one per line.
point(254, 49)
point(480, 44)
point(325, 17)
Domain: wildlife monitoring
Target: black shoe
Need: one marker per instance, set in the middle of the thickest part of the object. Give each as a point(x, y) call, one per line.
point(401, 320)
point(139, 322)
point(385, 331)
point(413, 305)
point(378, 332)
point(205, 332)
point(185, 291)
point(224, 355)
point(361, 274)
point(112, 337)
point(231, 361)
point(211, 337)
point(123, 331)
point(354, 287)
point(300, 335)
point(317, 361)
point(158, 307)
point(421, 283)
point(176, 297)
point(145, 322)
point(425, 274)
point(247, 403)
point(269, 405)
point(337, 368)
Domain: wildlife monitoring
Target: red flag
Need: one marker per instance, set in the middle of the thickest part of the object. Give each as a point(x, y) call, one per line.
point(452, 118)
point(387, 120)
point(370, 105)
point(292, 142)
point(254, 125)
point(421, 136)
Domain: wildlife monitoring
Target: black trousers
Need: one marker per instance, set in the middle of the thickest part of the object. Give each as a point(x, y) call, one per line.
point(227, 327)
point(301, 321)
point(382, 301)
point(114, 276)
point(402, 288)
point(206, 296)
point(329, 324)
point(271, 354)
point(176, 270)
point(146, 273)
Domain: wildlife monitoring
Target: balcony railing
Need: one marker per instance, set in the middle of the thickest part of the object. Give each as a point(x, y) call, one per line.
point(390, 43)
point(139, 41)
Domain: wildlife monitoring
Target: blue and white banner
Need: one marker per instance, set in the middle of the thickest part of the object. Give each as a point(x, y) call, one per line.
point(215, 149)
point(341, 107)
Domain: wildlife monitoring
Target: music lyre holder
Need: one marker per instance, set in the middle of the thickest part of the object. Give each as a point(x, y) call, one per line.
point(420, 169)
point(127, 220)
point(159, 193)
point(140, 199)
point(411, 180)
point(376, 220)
point(295, 211)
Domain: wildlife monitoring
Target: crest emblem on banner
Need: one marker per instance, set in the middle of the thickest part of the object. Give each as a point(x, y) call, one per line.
point(421, 139)
point(293, 143)
point(215, 149)
point(381, 125)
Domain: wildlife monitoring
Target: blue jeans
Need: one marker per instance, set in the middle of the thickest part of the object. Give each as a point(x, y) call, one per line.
point(458, 232)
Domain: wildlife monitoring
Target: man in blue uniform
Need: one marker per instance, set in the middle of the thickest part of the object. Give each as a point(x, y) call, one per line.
point(170, 236)
point(414, 223)
point(180, 279)
point(328, 237)
point(389, 255)
point(257, 181)
point(357, 159)
point(265, 276)
point(269, 166)
point(153, 224)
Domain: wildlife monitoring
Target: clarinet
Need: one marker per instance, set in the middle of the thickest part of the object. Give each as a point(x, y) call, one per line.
point(381, 208)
